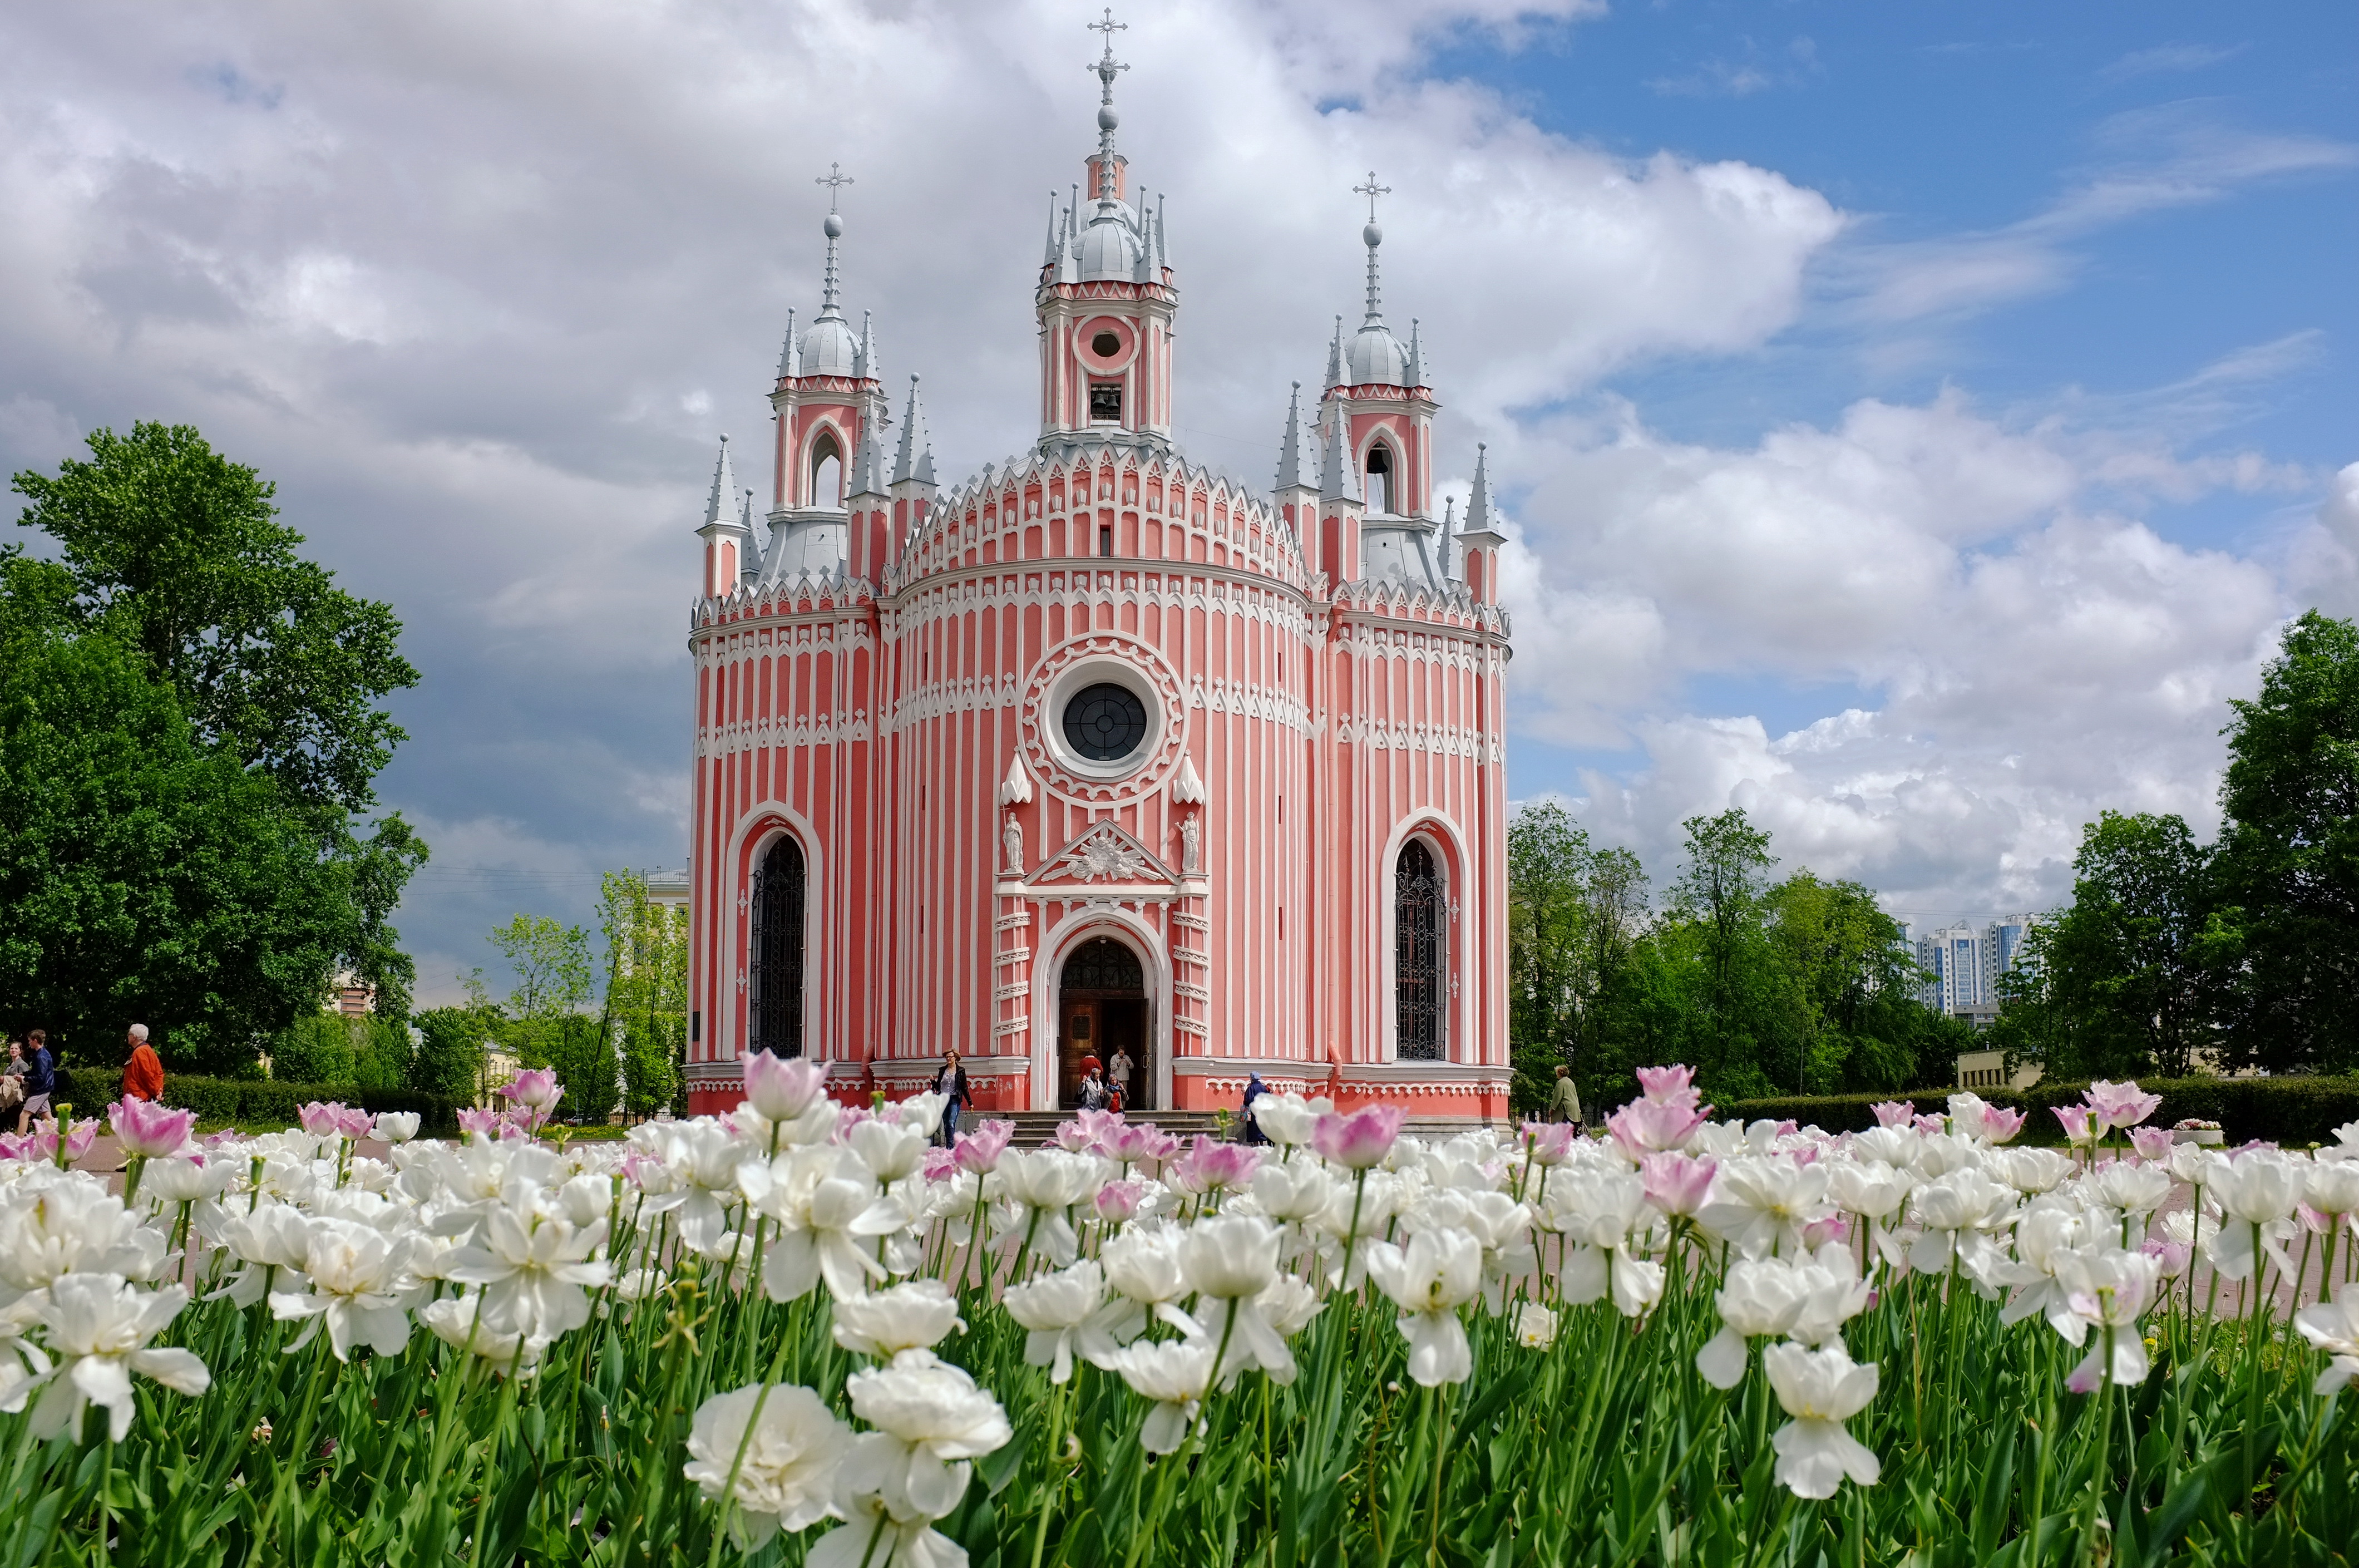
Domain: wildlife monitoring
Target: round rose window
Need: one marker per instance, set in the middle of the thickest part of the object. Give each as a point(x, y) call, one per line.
point(1105, 722)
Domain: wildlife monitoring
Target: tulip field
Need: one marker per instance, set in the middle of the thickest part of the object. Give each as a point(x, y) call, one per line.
point(807, 1333)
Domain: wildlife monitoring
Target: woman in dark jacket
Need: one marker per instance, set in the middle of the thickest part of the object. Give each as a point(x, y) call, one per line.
point(950, 1085)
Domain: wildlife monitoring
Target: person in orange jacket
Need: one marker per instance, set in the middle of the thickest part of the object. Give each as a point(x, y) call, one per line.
point(143, 1075)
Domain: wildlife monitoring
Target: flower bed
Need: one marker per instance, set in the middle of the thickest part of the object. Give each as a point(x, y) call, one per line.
point(806, 1336)
point(2293, 1112)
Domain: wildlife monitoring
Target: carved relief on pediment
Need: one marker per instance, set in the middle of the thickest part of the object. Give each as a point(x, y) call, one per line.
point(1103, 854)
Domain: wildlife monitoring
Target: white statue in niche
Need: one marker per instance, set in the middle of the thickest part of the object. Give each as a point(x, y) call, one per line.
point(1191, 844)
point(1012, 835)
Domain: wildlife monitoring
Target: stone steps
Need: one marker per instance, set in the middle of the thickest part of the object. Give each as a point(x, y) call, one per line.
point(1034, 1128)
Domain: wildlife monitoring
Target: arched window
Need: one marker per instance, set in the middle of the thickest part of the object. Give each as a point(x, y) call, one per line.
point(774, 968)
point(827, 470)
point(1380, 480)
point(1417, 953)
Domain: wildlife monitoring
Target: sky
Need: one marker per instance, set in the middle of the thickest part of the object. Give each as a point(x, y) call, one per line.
point(1914, 423)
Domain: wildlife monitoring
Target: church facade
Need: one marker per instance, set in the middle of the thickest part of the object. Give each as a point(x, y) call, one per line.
point(1099, 752)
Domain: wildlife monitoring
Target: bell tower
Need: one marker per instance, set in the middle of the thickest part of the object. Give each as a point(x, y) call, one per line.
point(1106, 300)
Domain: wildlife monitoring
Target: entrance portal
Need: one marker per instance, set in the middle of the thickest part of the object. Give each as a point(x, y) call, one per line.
point(1101, 1011)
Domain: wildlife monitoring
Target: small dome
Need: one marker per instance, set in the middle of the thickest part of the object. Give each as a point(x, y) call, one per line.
point(1110, 247)
point(1375, 358)
point(828, 348)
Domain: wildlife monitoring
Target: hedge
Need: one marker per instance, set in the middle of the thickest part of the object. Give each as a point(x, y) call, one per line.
point(259, 1101)
point(2290, 1111)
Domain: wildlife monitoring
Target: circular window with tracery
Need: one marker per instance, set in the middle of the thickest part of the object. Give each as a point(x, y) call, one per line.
point(1104, 722)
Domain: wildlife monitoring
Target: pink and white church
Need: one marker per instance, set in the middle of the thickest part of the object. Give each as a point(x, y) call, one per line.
point(1101, 750)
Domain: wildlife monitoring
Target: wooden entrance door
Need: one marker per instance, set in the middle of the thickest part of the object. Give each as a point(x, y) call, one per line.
point(1100, 1008)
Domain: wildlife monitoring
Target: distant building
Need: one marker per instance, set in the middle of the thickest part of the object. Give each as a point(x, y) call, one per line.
point(1963, 966)
point(348, 996)
point(1987, 1069)
point(668, 888)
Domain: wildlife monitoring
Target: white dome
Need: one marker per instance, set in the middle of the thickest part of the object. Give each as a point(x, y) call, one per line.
point(828, 348)
point(1110, 247)
point(1375, 358)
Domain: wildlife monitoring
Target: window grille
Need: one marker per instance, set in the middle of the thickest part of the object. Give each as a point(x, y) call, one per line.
point(1417, 953)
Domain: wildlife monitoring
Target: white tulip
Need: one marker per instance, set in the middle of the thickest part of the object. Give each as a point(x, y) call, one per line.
point(1820, 1390)
point(786, 1479)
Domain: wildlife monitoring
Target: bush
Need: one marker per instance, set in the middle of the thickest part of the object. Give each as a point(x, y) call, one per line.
point(259, 1102)
point(2290, 1111)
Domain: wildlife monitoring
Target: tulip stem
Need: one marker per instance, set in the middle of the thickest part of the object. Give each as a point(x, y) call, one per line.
point(1433, 1497)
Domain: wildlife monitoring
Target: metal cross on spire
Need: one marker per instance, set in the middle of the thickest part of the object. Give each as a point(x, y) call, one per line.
point(1107, 65)
point(1106, 68)
point(836, 179)
point(1375, 236)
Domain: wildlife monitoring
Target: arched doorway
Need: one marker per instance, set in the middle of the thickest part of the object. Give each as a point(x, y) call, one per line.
point(773, 967)
point(1102, 1010)
point(1416, 954)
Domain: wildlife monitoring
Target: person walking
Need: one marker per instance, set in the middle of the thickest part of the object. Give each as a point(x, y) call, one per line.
point(1091, 1095)
point(1255, 1090)
point(1565, 1104)
point(12, 1081)
point(950, 1085)
point(143, 1075)
point(1118, 1077)
point(40, 1081)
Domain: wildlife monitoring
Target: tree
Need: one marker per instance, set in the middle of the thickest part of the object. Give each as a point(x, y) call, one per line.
point(451, 1050)
point(1547, 871)
point(545, 1025)
point(2130, 978)
point(147, 879)
point(2288, 866)
point(1852, 993)
point(646, 990)
point(1719, 899)
point(176, 552)
point(195, 720)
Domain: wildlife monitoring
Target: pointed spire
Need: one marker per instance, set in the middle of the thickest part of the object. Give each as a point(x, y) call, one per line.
point(786, 355)
point(1056, 241)
point(834, 179)
point(905, 461)
point(863, 362)
point(868, 469)
point(1143, 270)
point(1374, 236)
point(1335, 356)
point(1449, 527)
point(720, 505)
point(1336, 478)
point(1107, 68)
point(1478, 528)
point(1416, 356)
point(1289, 451)
point(1162, 251)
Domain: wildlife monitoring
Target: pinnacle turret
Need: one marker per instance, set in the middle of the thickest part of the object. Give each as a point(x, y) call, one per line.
point(915, 458)
point(1289, 451)
point(721, 505)
point(1337, 479)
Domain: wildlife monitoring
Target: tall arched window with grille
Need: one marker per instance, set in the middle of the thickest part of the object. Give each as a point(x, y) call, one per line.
point(1417, 953)
point(774, 970)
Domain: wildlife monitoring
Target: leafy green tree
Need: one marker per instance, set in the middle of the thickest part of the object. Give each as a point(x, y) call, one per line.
point(451, 1047)
point(1548, 872)
point(2131, 977)
point(147, 878)
point(1717, 915)
point(646, 991)
point(545, 1027)
point(2288, 866)
point(1851, 998)
point(193, 720)
point(177, 553)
